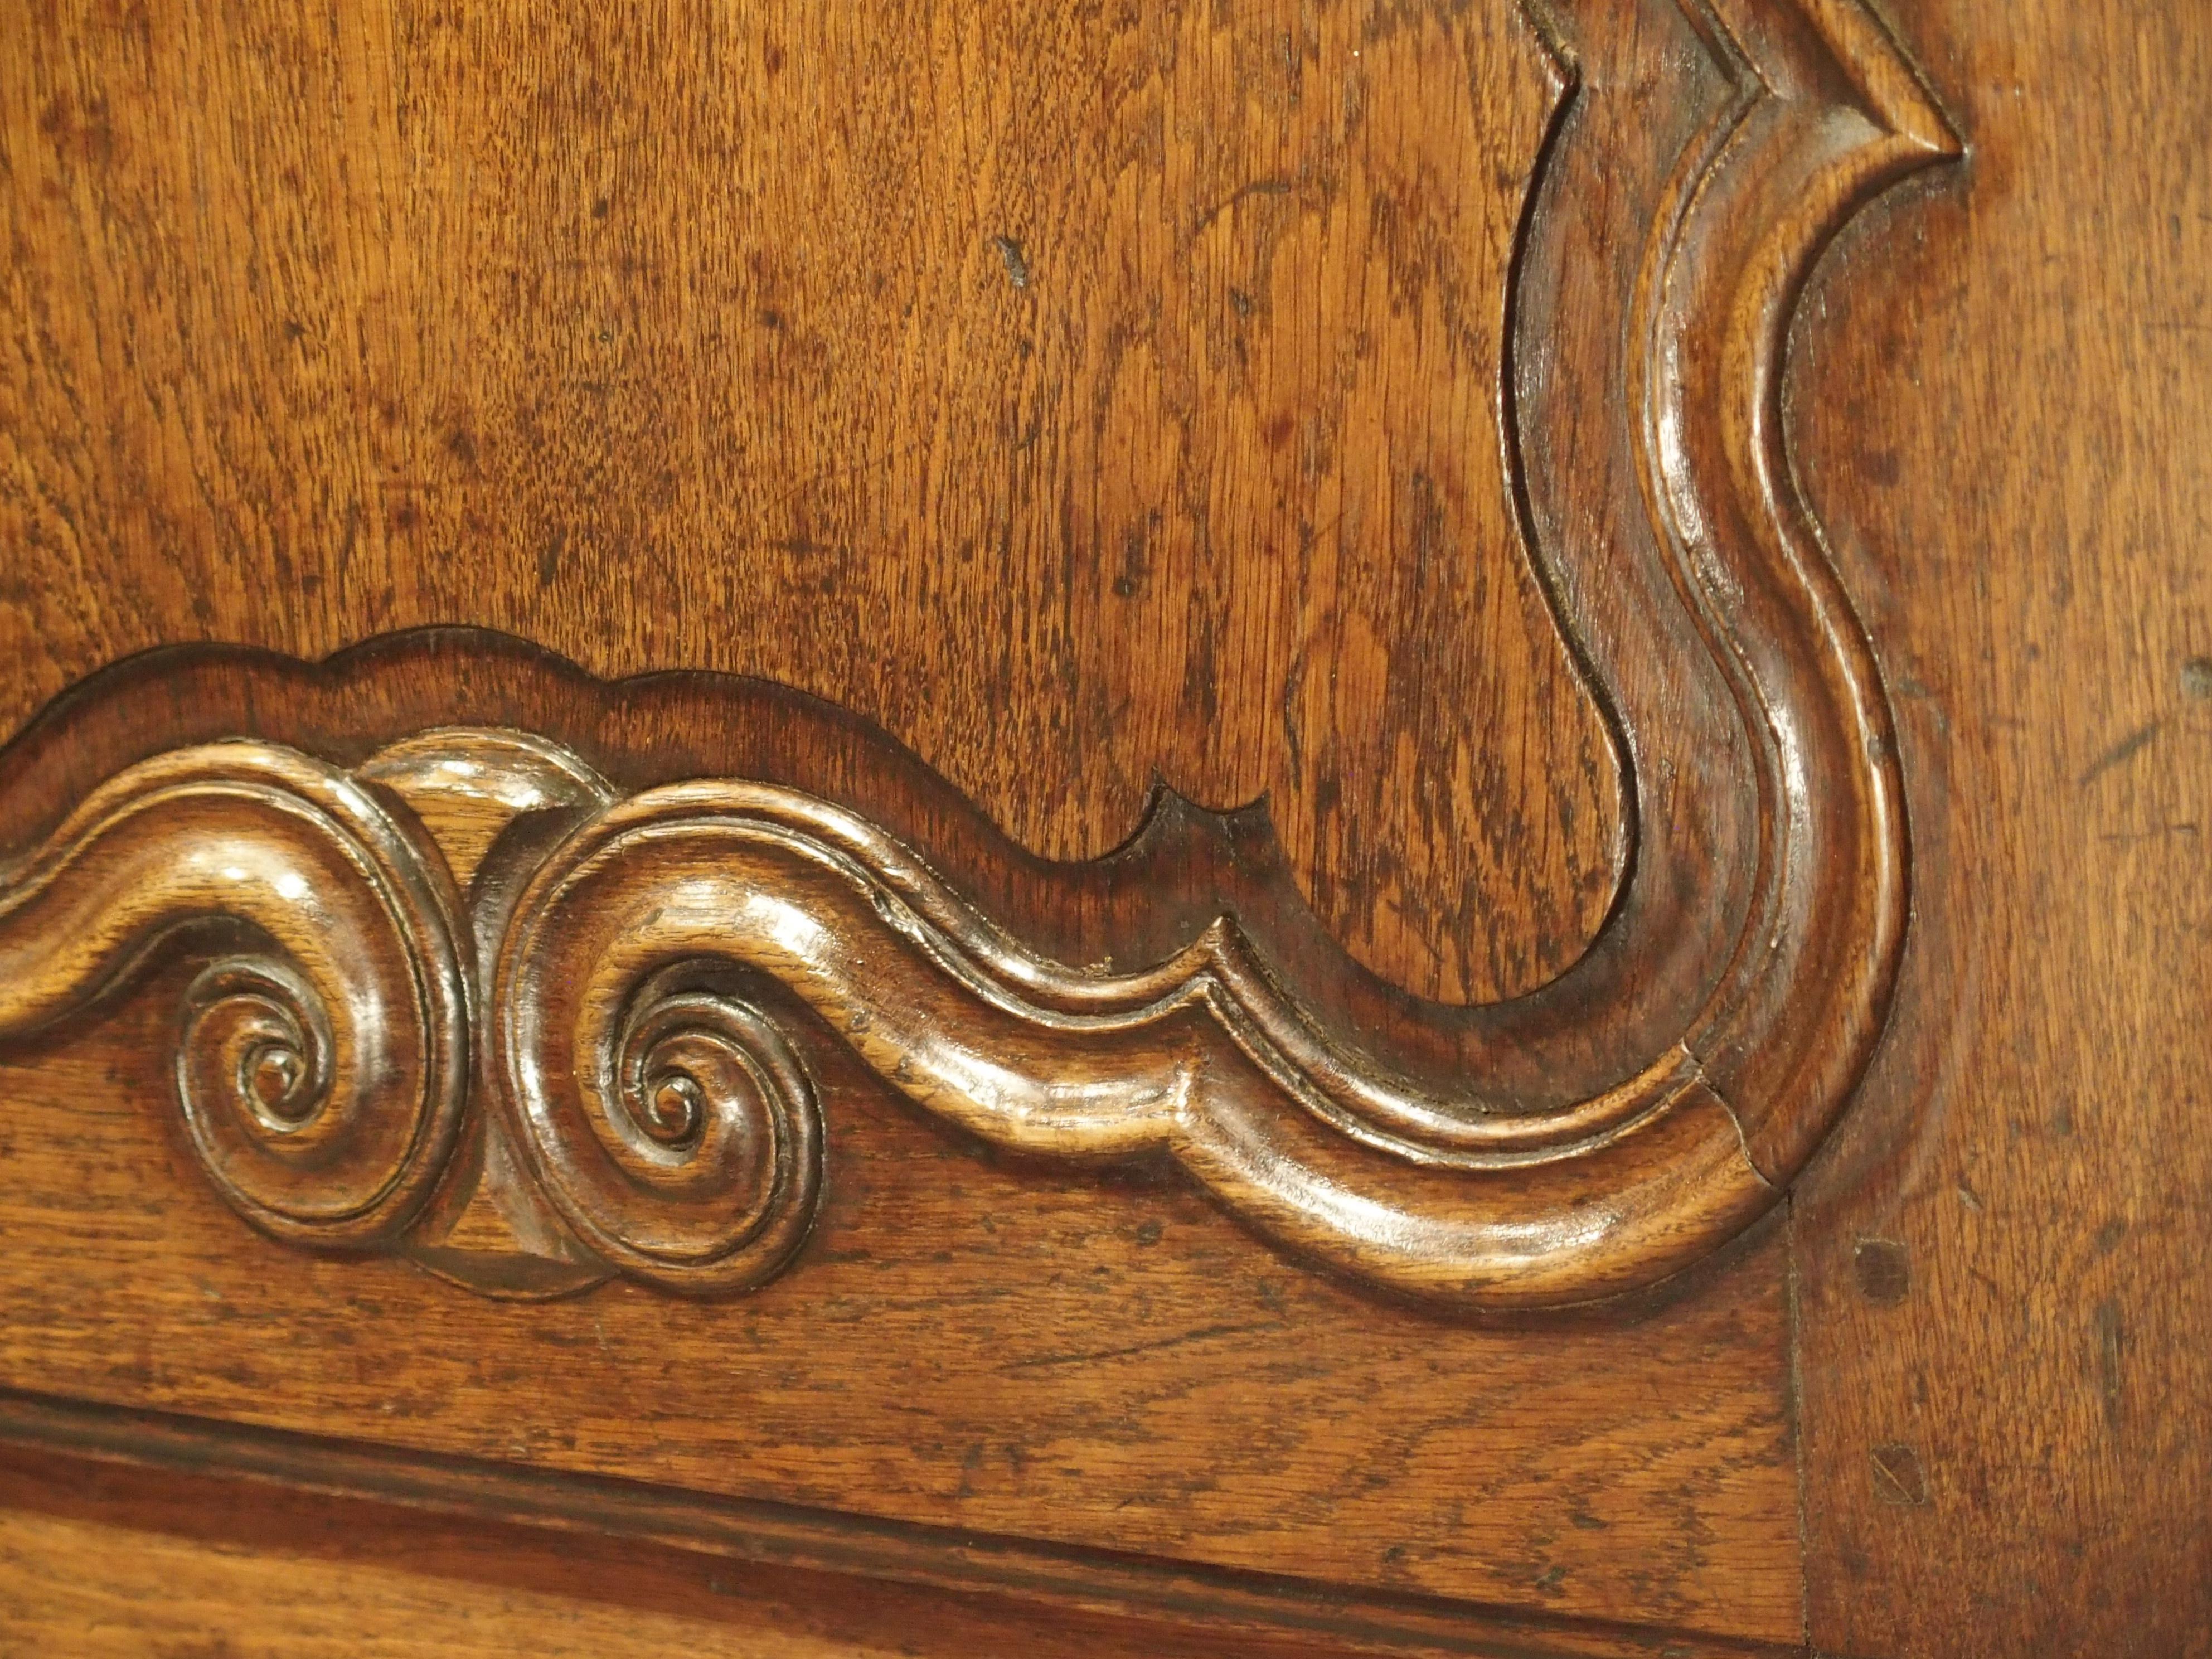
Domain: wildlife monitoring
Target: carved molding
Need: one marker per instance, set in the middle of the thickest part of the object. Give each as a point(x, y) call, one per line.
point(574, 1071)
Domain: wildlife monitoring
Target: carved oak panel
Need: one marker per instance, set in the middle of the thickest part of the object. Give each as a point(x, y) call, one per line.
point(1074, 802)
point(575, 1031)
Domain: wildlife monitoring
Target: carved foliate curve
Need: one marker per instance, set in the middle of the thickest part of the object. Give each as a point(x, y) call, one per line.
point(631, 1103)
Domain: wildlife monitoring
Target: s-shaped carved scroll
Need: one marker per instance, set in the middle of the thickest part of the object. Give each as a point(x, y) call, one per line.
point(628, 1102)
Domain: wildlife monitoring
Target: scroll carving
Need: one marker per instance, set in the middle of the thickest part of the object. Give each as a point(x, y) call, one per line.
point(573, 1072)
point(321, 1060)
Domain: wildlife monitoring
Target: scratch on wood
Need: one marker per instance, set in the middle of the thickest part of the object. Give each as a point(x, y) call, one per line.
point(2126, 749)
point(2110, 1334)
point(1898, 1477)
point(1205, 1334)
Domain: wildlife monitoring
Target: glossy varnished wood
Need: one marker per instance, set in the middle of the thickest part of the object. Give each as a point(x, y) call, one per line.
point(1097, 396)
point(603, 975)
point(1090, 396)
point(2005, 1345)
point(966, 1342)
point(1667, 1092)
point(131, 1537)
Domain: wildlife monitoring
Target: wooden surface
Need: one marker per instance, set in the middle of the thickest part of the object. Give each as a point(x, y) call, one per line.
point(100, 1556)
point(92, 1564)
point(2006, 1420)
point(98, 1560)
point(1644, 1106)
point(469, 969)
point(1012, 376)
point(1095, 396)
point(968, 1342)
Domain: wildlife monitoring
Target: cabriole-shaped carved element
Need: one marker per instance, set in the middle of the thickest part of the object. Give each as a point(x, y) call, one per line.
point(637, 1108)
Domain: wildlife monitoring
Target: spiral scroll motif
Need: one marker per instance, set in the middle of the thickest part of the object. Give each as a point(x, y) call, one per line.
point(687, 1149)
point(1556, 1159)
point(253, 1080)
point(648, 960)
point(321, 1066)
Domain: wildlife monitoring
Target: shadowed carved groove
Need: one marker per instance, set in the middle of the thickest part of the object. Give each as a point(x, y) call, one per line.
point(634, 1074)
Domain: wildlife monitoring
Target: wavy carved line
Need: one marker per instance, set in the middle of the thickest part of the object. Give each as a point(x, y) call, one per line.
point(1792, 1025)
point(668, 1129)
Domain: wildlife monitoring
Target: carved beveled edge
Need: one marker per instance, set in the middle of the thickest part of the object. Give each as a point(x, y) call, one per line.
point(1754, 200)
point(1226, 1601)
point(637, 1108)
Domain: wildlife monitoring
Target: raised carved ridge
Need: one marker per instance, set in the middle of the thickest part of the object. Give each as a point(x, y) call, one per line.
point(636, 1107)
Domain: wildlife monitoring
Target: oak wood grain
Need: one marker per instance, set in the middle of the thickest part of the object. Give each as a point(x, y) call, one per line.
point(318, 325)
point(1673, 1093)
point(1090, 395)
point(581, 1044)
point(100, 1561)
point(2004, 1306)
point(967, 1340)
point(100, 1556)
